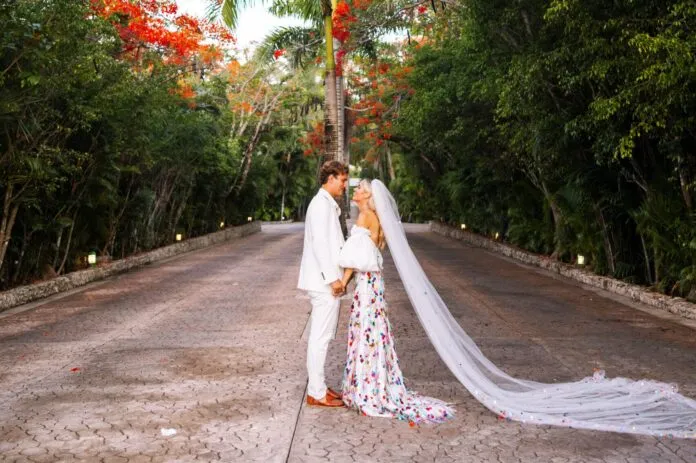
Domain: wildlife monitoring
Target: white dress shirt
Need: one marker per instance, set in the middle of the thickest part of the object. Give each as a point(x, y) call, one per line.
point(323, 241)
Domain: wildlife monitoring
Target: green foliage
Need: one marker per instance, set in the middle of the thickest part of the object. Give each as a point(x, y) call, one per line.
point(98, 155)
point(567, 126)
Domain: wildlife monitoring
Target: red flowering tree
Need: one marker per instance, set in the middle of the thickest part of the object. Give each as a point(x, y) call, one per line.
point(153, 32)
point(156, 25)
point(378, 86)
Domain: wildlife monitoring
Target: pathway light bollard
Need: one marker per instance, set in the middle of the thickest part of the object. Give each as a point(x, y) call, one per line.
point(581, 259)
point(222, 224)
point(92, 258)
point(463, 226)
point(497, 235)
point(179, 236)
point(249, 219)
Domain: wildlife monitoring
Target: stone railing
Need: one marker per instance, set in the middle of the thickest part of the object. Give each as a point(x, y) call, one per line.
point(33, 292)
point(675, 305)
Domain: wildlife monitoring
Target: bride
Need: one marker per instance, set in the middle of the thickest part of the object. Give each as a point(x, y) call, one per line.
point(372, 380)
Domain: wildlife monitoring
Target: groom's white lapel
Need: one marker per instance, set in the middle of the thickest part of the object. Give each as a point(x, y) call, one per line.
point(323, 241)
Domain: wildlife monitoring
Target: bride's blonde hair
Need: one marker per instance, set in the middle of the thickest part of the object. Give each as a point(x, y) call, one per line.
point(366, 185)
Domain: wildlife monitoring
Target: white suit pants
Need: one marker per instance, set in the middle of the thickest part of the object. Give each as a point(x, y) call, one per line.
point(322, 329)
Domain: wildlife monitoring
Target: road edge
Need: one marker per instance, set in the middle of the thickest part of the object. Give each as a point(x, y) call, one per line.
point(675, 305)
point(33, 292)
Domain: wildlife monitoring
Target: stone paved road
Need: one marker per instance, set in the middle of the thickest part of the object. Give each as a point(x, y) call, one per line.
point(211, 344)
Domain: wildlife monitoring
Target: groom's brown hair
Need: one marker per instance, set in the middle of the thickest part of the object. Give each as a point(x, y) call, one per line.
point(330, 168)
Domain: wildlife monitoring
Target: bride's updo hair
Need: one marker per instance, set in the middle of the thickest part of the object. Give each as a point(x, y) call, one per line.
point(366, 185)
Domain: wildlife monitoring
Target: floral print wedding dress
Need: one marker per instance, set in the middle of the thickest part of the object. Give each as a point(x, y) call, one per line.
point(372, 379)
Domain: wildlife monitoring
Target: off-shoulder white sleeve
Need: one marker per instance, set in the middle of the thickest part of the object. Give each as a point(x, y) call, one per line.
point(360, 253)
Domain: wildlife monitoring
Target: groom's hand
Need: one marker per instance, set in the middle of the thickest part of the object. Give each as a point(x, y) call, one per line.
point(337, 288)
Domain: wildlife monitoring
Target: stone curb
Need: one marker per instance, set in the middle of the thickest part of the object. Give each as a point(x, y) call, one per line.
point(29, 293)
point(278, 222)
point(675, 305)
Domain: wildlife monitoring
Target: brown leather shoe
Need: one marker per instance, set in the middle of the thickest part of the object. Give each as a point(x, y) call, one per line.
point(327, 401)
point(333, 394)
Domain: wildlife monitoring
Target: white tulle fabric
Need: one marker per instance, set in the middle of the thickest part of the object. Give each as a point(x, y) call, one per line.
point(595, 402)
point(359, 252)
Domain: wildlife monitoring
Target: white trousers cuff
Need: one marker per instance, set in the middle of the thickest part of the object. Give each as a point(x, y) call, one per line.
point(322, 329)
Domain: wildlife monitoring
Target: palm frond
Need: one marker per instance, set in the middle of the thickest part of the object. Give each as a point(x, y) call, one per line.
point(229, 10)
point(307, 10)
point(214, 9)
point(302, 44)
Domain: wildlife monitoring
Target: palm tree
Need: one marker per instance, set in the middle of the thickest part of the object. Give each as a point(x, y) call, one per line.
point(319, 13)
point(301, 48)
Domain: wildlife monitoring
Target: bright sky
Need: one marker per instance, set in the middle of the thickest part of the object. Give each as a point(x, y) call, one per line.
point(254, 22)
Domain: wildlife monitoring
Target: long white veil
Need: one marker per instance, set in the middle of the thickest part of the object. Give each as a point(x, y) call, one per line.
point(618, 404)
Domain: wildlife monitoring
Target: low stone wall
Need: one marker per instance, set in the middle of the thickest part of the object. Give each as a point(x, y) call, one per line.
point(29, 293)
point(676, 305)
point(278, 222)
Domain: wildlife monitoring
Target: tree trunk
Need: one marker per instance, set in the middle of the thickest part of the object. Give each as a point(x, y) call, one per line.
point(67, 245)
point(390, 163)
point(268, 109)
point(179, 211)
point(333, 130)
point(115, 221)
point(37, 263)
point(161, 199)
point(59, 241)
point(648, 273)
point(248, 157)
point(9, 215)
point(111, 239)
point(557, 219)
point(347, 130)
point(207, 208)
point(331, 134)
point(166, 200)
point(340, 118)
point(6, 233)
point(684, 183)
point(20, 260)
point(282, 205)
point(343, 155)
point(607, 240)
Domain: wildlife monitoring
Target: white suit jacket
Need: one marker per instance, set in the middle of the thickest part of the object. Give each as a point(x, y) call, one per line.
point(323, 241)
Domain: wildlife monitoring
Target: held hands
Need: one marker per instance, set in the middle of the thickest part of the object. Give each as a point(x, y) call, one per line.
point(338, 288)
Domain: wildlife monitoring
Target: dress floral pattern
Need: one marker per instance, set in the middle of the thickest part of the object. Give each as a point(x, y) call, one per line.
point(372, 380)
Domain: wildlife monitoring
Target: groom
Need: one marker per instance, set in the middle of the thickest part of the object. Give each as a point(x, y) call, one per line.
point(320, 276)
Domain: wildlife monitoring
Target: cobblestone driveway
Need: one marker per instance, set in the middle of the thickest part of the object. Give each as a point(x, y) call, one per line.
point(210, 345)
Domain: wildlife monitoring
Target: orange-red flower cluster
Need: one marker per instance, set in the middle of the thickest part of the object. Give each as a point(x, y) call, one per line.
point(342, 20)
point(156, 25)
point(381, 87)
point(314, 140)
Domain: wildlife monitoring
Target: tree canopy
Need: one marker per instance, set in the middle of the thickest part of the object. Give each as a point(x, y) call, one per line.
point(560, 126)
point(126, 123)
point(564, 127)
